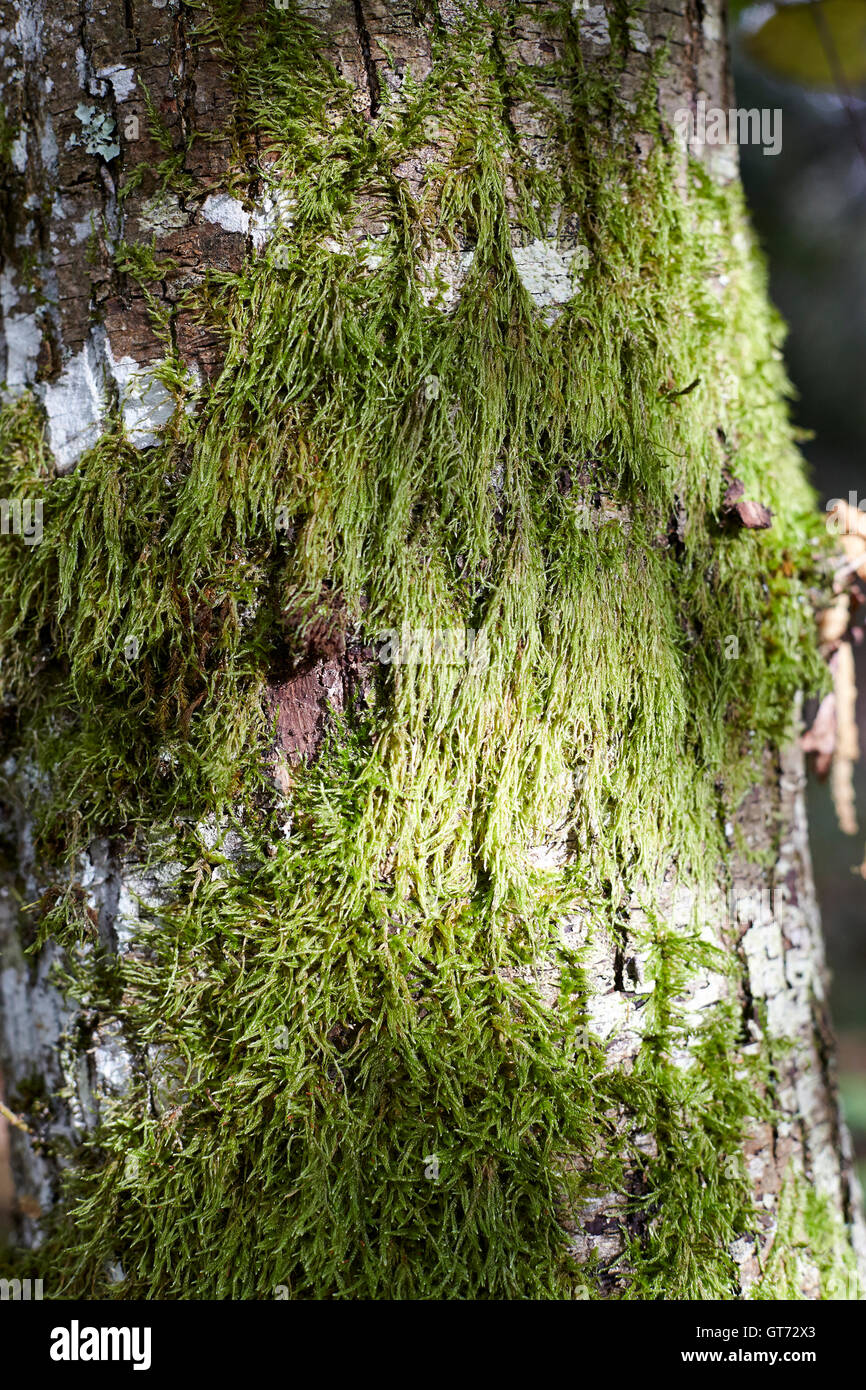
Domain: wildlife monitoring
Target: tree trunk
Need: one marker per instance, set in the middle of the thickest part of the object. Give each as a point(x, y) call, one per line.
point(409, 887)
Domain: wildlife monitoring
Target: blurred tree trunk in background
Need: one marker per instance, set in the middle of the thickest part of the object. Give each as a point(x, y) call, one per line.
point(408, 884)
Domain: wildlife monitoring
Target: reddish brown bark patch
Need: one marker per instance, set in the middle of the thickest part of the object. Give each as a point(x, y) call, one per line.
point(303, 705)
point(317, 676)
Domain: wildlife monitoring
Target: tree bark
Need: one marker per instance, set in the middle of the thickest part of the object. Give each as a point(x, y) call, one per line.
point(495, 974)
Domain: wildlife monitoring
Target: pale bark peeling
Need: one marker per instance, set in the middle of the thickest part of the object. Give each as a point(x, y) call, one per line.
point(778, 931)
point(72, 81)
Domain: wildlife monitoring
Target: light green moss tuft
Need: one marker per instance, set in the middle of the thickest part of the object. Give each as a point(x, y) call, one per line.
point(811, 1246)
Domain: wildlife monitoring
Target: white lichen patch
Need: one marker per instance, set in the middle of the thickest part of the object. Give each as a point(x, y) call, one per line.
point(162, 214)
point(370, 252)
point(18, 152)
point(74, 406)
point(549, 857)
point(317, 10)
point(48, 148)
point(638, 37)
point(145, 403)
point(98, 132)
point(81, 230)
point(442, 277)
point(272, 214)
point(267, 217)
point(723, 162)
point(21, 339)
point(112, 1064)
point(127, 921)
point(122, 80)
point(226, 212)
point(28, 32)
point(549, 273)
point(593, 24)
point(140, 890)
point(36, 1023)
point(712, 25)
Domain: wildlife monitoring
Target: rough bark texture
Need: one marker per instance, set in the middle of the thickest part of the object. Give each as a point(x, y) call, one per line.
point(80, 87)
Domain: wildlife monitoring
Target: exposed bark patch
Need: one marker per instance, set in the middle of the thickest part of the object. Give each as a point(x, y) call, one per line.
point(303, 705)
point(320, 672)
point(373, 90)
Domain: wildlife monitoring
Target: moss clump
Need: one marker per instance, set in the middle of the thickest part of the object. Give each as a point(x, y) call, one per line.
point(340, 1004)
point(810, 1241)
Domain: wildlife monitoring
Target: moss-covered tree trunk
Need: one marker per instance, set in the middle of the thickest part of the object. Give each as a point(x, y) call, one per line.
point(409, 891)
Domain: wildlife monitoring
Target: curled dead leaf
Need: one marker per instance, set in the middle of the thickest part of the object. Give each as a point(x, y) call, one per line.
point(754, 516)
point(834, 740)
point(733, 494)
point(820, 739)
point(833, 622)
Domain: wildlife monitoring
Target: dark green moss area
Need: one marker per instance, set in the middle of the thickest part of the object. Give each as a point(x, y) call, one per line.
point(347, 995)
point(328, 1052)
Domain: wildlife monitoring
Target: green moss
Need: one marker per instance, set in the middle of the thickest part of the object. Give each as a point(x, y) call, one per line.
point(350, 998)
point(695, 1180)
point(810, 1241)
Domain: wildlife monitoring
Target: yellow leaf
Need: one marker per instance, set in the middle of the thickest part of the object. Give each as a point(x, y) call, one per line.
point(810, 43)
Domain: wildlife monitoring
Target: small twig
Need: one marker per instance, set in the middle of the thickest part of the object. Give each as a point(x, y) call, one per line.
point(672, 395)
point(13, 1118)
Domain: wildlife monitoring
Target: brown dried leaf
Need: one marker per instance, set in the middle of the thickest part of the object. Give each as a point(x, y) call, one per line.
point(820, 739)
point(754, 515)
point(854, 549)
point(833, 621)
point(733, 494)
point(834, 740)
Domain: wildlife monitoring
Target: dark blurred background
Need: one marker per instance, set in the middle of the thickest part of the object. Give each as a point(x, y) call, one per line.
point(808, 207)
